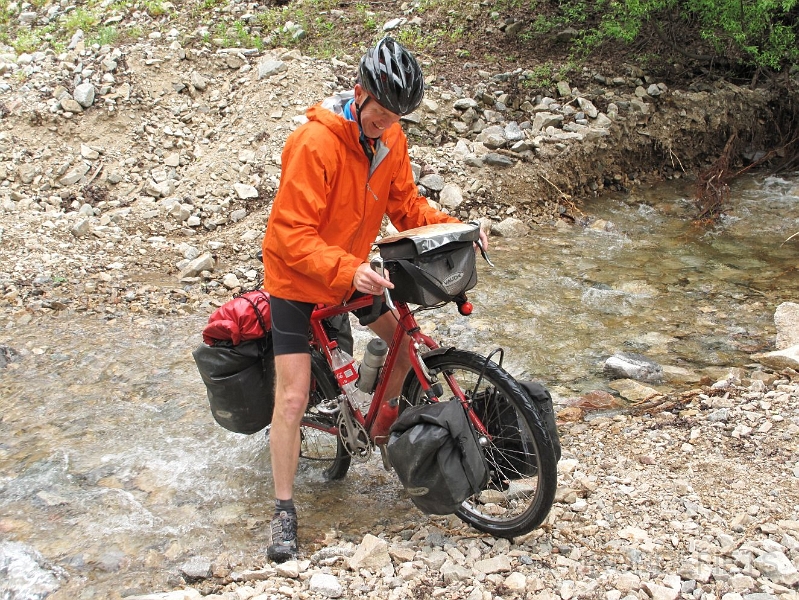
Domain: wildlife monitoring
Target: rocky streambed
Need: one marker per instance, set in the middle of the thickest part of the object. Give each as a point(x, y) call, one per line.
point(135, 181)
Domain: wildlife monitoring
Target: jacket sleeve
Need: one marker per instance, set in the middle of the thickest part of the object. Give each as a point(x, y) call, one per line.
point(406, 208)
point(297, 214)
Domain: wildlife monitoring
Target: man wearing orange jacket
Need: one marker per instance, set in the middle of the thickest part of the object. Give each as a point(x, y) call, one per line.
point(342, 171)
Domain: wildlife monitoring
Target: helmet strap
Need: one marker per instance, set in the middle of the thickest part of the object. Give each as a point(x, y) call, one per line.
point(366, 142)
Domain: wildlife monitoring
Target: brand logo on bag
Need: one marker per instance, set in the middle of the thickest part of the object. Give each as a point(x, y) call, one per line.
point(417, 491)
point(452, 279)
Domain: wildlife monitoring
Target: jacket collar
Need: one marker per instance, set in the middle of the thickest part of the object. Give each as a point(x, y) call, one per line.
point(330, 113)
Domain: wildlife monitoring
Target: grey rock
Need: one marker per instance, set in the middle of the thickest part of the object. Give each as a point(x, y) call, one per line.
point(433, 182)
point(81, 228)
point(84, 94)
point(268, 67)
point(198, 81)
point(588, 108)
point(786, 319)
point(197, 567)
point(778, 568)
point(69, 104)
point(633, 366)
point(465, 103)
point(498, 160)
point(245, 191)
point(371, 553)
point(204, 262)
point(325, 584)
point(451, 196)
point(780, 359)
point(75, 174)
point(510, 228)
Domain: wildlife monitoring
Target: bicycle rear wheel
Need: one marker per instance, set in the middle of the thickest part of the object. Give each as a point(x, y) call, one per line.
point(321, 450)
point(522, 463)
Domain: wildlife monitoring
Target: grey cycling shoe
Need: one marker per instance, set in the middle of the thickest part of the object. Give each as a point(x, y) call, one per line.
point(283, 537)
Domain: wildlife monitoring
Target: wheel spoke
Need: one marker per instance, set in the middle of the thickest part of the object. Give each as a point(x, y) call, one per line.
point(523, 477)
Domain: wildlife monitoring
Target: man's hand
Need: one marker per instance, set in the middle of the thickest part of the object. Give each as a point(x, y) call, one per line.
point(367, 281)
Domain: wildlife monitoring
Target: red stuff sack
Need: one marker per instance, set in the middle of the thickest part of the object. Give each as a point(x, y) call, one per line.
point(237, 365)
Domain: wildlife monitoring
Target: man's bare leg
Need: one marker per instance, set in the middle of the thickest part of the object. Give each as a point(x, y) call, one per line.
point(385, 327)
point(292, 383)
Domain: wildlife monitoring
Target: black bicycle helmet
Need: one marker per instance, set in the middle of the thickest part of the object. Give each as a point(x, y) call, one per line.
point(391, 74)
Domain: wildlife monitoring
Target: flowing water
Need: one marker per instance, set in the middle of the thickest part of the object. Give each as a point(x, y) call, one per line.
point(113, 474)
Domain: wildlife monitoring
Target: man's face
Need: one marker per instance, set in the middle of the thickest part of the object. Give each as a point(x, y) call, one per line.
point(374, 118)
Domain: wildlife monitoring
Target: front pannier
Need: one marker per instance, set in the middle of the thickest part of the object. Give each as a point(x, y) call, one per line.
point(431, 264)
point(240, 382)
point(436, 455)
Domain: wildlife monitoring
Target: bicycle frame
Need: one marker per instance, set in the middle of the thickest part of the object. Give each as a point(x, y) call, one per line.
point(378, 429)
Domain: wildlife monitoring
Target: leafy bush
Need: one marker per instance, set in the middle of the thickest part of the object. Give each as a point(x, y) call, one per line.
point(759, 33)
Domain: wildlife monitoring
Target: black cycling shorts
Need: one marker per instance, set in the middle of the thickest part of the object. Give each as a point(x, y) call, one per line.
point(291, 321)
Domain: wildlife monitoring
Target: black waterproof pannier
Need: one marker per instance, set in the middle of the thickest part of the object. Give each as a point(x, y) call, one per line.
point(431, 264)
point(240, 382)
point(516, 459)
point(237, 363)
point(436, 456)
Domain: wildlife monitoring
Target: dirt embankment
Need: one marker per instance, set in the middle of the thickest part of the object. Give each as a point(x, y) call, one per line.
point(150, 162)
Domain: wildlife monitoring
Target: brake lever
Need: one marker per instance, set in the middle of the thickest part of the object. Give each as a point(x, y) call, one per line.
point(483, 253)
point(377, 266)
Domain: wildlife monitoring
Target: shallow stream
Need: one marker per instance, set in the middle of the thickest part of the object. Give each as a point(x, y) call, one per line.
point(113, 473)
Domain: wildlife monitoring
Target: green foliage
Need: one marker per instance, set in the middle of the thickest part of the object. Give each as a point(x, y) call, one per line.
point(416, 39)
point(27, 40)
point(80, 18)
point(236, 35)
point(155, 8)
point(105, 36)
point(759, 33)
point(367, 16)
point(538, 77)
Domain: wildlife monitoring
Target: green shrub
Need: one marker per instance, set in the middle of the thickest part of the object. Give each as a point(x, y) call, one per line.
point(758, 33)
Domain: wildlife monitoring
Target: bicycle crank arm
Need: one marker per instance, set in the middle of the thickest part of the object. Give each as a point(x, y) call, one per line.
point(352, 433)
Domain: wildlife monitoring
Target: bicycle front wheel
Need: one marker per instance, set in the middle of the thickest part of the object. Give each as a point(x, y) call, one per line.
point(522, 463)
point(321, 448)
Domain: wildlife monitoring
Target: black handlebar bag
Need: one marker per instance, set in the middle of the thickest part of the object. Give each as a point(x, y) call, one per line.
point(431, 264)
point(435, 453)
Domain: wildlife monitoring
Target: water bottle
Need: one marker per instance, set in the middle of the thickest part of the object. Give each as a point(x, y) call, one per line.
point(346, 371)
point(373, 359)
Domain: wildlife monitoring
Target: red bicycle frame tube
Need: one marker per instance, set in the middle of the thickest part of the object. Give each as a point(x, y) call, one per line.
point(406, 324)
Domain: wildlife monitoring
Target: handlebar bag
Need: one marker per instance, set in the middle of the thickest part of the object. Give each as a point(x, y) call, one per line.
point(236, 363)
point(436, 456)
point(431, 264)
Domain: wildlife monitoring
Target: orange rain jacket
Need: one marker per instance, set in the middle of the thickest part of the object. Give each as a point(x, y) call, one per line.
point(330, 205)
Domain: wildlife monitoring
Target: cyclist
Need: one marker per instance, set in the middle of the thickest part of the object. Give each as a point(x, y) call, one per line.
point(342, 171)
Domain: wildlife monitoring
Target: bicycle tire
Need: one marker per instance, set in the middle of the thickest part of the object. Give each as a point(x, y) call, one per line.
point(521, 489)
point(321, 450)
